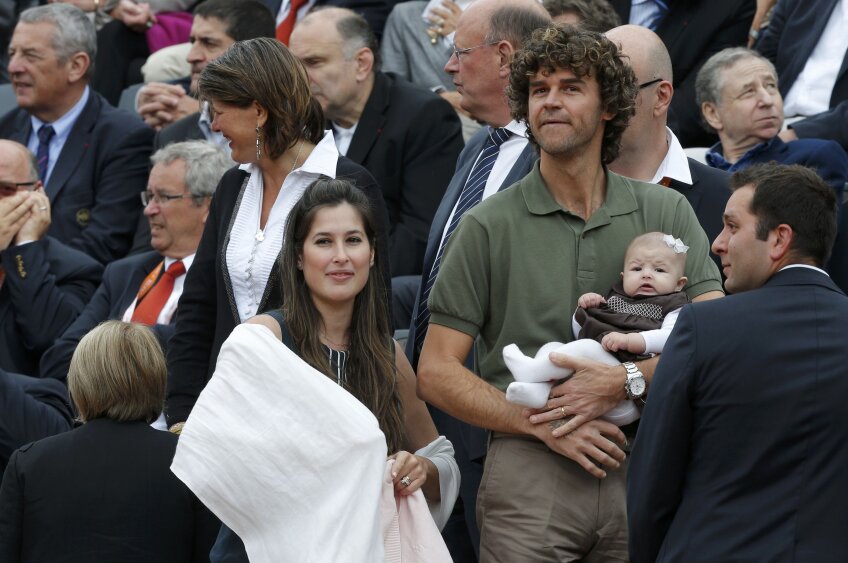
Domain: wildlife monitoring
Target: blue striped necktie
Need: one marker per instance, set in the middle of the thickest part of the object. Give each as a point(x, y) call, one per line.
point(471, 195)
point(42, 157)
point(662, 12)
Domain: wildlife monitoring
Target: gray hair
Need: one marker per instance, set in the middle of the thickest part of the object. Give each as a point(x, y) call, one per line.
point(73, 31)
point(708, 83)
point(354, 31)
point(515, 24)
point(205, 164)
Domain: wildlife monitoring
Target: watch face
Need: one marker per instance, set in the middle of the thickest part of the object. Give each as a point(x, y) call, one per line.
point(637, 386)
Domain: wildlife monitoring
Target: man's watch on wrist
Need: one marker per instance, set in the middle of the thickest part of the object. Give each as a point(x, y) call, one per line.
point(635, 386)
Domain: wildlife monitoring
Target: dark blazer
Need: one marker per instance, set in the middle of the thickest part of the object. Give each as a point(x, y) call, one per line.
point(693, 31)
point(121, 282)
point(208, 313)
point(102, 492)
point(708, 196)
point(409, 139)
point(95, 185)
point(793, 32)
point(183, 129)
point(740, 454)
point(47, 284)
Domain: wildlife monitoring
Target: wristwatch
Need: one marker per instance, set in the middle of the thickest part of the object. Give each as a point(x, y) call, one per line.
point(635, 385)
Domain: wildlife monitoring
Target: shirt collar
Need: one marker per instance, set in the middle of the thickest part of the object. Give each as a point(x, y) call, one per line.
point(675, 165)
point(187, 261)
point(804, 266)
point(62, 126)
point(321, 161)
point(619, 199)
point(516, 128)
point(715, 156)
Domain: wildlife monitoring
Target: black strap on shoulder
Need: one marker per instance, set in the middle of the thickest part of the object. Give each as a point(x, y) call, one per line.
point(287, 339)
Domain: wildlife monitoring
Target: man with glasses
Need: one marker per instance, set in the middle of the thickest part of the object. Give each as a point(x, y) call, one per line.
point(650, 152)
point(146, 288)
point(488, 33)
point(44, 286)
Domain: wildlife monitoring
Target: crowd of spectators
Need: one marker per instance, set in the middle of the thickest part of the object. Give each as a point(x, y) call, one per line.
point(453, 174)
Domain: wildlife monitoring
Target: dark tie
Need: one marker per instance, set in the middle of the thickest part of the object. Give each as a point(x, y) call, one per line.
point(471, 195)
point(149, 307)
point(42, 157)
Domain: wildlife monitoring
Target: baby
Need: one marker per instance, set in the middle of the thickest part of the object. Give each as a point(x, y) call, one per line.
point(633, 321)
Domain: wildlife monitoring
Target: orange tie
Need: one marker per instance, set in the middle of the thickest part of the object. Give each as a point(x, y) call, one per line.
point(287, 25)
point(150, 306)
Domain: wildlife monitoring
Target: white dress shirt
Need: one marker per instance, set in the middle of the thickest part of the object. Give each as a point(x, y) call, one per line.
point(675, 165)
point(62, 130)
point(171, 304)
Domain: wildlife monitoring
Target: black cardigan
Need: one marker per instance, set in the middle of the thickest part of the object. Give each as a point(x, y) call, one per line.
point(207, 312)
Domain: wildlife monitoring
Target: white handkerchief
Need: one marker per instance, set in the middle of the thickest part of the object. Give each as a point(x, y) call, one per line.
point(285, 457)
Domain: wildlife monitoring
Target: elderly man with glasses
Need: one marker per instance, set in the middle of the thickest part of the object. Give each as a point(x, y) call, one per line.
point(145, 288)
point(44, 286)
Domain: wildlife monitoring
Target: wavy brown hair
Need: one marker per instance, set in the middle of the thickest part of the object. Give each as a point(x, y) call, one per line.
point(585, 53)
point(370, 369)
point(264, 71)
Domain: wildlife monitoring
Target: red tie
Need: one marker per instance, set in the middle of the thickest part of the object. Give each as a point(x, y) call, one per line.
point(287, 25)
point(149, 307)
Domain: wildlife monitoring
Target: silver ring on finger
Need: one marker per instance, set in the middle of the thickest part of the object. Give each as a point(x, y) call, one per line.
point(406, 481)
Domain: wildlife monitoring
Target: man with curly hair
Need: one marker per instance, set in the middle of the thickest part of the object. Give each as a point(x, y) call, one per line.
point(554, 482)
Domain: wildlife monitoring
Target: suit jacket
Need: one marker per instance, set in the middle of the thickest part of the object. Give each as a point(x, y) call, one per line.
point(793, 32)
point(409, 139)
point(406, 49)
point(183, 129)
point(121, 282)
point(85, 495)
point(47, 285)
point(208, 313)
point(95, 184)
point(708, 196)
point(693, 31)
point(740, 454)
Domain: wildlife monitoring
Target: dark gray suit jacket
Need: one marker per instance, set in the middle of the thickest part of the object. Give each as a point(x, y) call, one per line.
point(740, 454)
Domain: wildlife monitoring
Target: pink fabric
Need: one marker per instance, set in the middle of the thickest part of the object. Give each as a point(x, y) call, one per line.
point(409, 533)
point(171, 28)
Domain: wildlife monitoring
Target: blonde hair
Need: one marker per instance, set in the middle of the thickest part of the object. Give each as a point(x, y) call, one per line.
point(118, 372)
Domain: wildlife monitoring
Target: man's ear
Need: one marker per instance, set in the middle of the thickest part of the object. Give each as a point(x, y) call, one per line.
point(78, 64)
point(665, 91)
point(505, 53)
point(780, 241)
point(711, 116)
point(364, 63)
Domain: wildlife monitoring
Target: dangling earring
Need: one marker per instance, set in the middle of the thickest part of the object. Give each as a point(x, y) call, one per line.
point(258, 150)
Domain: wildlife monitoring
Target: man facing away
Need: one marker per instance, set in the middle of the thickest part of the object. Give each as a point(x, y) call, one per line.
point(513, 272)
point(741, 451)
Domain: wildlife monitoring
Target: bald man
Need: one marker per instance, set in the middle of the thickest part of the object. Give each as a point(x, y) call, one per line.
point(650, 152)
point(43, 287)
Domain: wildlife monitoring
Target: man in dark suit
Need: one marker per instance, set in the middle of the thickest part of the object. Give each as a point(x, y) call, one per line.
point(740, 455)
point(182, 181)
point(650, 152)
point(92, 158)
point(792, 42)
point(406, 136)
point(481, 73)
point(181, 184)
point(692, 31)
point(171, 108)
point(43, 287)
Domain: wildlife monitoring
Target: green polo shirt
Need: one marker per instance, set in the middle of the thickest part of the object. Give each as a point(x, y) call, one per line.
point(516, 265)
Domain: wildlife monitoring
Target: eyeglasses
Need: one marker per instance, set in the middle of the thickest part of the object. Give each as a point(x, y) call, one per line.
point(457, 52)
point(11, 188)
point(650, 83)
point(160, 199)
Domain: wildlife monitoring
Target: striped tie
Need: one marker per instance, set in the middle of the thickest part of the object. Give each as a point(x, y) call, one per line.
point(42, 157)
point(662, 12)
point(471, 195)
